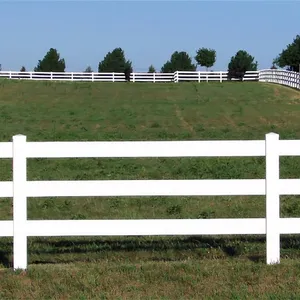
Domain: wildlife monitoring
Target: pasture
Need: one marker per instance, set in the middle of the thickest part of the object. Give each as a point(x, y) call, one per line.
point(149, 267)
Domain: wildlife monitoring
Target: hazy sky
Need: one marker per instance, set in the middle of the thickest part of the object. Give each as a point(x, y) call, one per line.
point(149, 31)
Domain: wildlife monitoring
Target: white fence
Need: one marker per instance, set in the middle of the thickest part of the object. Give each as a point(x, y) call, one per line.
point(119, 77)
point(288, 78)
point(272, 187)
point(283, 77)
point(211, 76)
point(77, 76)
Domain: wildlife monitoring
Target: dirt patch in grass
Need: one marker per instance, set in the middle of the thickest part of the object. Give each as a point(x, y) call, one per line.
point(276, 91)
point(184, 123)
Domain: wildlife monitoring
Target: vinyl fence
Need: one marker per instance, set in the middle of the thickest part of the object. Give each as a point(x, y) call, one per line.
point(291, 79)
point(272, 187)
point(288, 78)
point(221, 76)
point(178, 76)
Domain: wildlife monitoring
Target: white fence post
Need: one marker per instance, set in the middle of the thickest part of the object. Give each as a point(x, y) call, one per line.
point(199, 76)
point(9, 74)
point(19, 202)
point(72, 76)
point(175, 77)
point(92, 76)
point(113, 76)
point(272, 198)
point(51, 76)
point(221, 76)
point(133, 77)
point(153, 77)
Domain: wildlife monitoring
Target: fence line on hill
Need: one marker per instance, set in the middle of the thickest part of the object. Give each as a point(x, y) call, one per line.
point(272, 187)
point(177, 76)
point(283, 77)
point(291, 79)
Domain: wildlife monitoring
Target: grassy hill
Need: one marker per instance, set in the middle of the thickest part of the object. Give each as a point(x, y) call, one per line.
point(149, 267)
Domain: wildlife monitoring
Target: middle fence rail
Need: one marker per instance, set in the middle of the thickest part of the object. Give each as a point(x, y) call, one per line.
point(271, 186)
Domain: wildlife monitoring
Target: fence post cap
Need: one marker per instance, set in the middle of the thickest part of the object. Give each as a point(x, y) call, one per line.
point(19, 136)
point(272, 134)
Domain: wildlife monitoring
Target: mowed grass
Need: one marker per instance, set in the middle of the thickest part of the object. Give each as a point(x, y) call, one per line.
point(218, 267)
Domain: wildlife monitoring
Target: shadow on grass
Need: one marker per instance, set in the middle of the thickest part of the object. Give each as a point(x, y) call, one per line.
point(230, 246)
point(144, 244)
point(257, 258)
point(5, 259)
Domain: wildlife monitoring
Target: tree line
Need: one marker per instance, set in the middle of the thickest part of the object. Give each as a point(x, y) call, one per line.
point(116, 61)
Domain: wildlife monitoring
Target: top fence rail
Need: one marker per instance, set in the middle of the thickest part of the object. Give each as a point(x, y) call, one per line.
point(136, 149)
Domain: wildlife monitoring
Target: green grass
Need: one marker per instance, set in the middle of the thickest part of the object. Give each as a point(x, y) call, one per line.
point(149, 267)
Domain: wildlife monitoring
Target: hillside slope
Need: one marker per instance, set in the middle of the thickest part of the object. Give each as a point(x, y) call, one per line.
point(146, 111)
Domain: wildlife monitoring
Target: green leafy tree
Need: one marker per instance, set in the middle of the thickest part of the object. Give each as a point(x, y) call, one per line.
point(151, 69)
point(51, 62)
point(240, 63)
point(23, 69)
point(115, 61)
point(88, 70)
point(206, 57)
point(168, 68)
point(179, 61)
point(290, 57)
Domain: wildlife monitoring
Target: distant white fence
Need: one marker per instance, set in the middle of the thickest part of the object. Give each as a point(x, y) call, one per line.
point(288, 78)
point(211, 76)
point(272, 187)
point(291, 79)
point(178, 76)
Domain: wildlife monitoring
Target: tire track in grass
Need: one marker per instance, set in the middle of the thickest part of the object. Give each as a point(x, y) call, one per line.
point(183, 122)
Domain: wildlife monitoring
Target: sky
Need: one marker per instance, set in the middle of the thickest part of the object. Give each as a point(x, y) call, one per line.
point(148, 31)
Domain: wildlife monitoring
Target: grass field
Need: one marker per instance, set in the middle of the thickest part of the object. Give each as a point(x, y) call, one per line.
point(230, 267)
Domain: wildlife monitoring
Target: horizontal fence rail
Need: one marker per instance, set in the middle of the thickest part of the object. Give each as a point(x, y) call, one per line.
point(201, 187)
point(178, 76)
point(271, 187)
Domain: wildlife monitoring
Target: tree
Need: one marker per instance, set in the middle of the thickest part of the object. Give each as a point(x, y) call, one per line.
point(115, 61)
point(206, 57)
point(88, 70)
point(240, 63)
point(127, 72)
point(51, 62)
point(151, 69)
point(23, 69)
point(290, 57)
point(180, 61)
